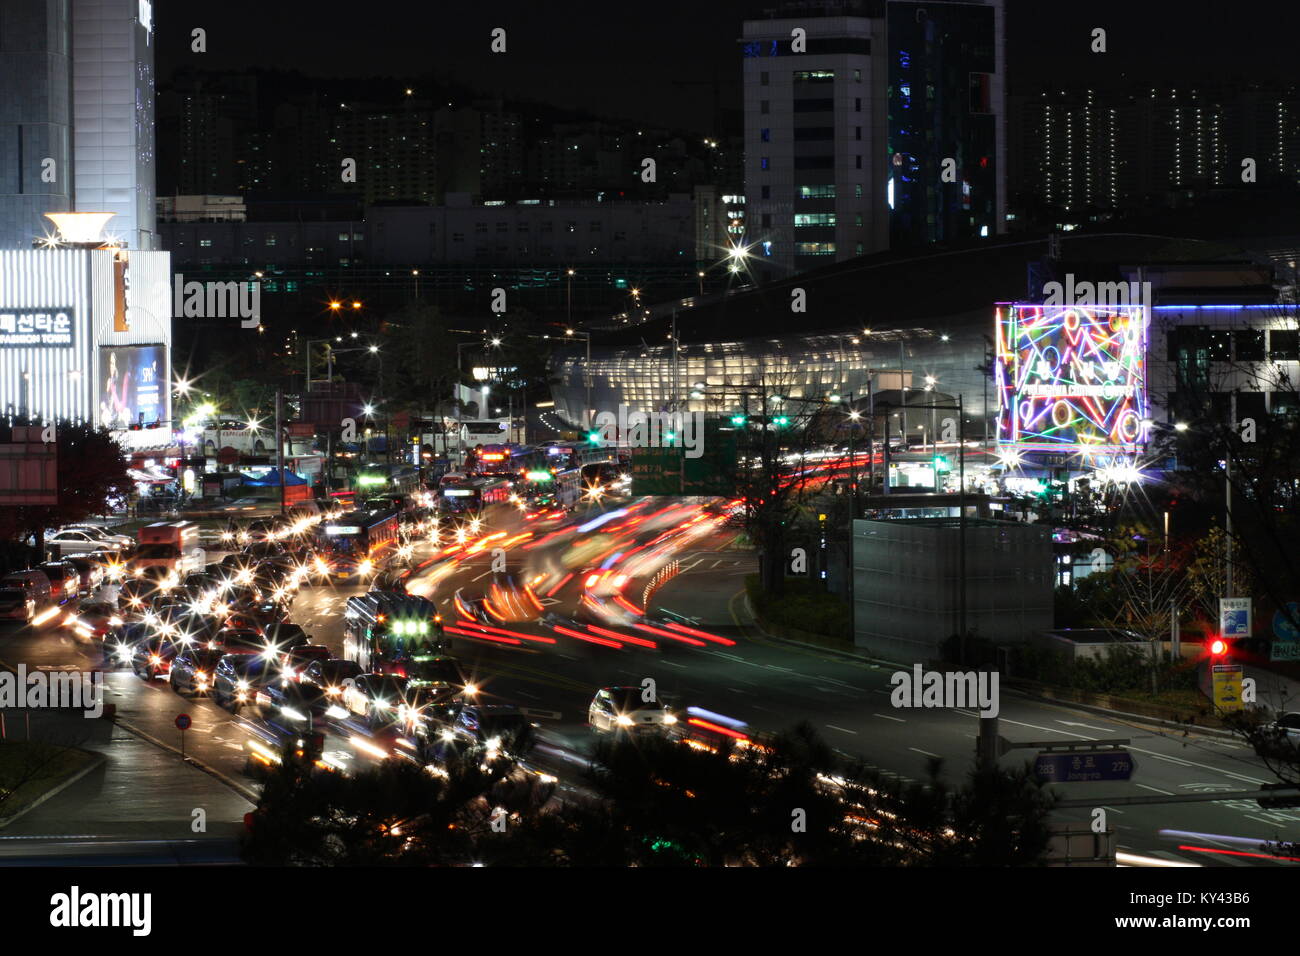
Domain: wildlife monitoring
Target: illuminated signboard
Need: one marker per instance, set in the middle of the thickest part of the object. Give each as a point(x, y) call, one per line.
point(1072, 378)
point(458, 492)
point(342, 529)
point(131, 385)
point(24, 328)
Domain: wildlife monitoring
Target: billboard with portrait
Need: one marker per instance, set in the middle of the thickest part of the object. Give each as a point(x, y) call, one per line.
point(132, 385)
point(1072, 378)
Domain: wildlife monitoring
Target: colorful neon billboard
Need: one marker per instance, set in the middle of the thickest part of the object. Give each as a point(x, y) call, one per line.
point(1072, 378)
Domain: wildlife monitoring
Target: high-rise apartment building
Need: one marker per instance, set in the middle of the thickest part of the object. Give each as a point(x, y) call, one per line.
point(871, 123)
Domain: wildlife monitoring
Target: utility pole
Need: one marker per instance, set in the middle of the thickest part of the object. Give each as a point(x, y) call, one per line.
point(279, 442)
point(961, 520)
point(1227, 518)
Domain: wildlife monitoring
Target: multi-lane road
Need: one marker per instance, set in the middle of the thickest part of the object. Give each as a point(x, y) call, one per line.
point(736, 670)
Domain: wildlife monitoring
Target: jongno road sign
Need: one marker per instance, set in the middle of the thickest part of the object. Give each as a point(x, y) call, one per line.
point(1083, 766)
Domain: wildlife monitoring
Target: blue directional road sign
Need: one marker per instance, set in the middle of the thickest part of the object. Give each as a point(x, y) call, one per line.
point(1083, 766)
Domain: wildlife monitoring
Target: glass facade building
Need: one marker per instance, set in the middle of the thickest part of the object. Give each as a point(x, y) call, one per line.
point(35, 117)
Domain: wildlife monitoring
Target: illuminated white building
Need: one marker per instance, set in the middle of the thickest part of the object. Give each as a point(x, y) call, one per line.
point(85, 334)
point(113, 115)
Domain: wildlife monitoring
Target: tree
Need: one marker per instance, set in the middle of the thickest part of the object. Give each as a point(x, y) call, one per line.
point(91, 471)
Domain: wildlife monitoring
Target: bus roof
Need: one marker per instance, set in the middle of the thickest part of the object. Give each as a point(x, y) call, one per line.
point(393, 604)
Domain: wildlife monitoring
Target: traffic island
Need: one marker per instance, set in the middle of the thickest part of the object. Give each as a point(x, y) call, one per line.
point(32, 772)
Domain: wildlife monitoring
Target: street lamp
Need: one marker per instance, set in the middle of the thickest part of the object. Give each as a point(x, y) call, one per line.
point(586, 411)
point(568, 297)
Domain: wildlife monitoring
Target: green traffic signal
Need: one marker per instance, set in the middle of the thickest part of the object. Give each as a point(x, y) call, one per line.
point(737, 419)
point(781, 420)
point(594, 438)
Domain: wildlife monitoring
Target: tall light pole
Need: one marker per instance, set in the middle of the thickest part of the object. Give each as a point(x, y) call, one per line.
point(568, 298)
point(586, 375)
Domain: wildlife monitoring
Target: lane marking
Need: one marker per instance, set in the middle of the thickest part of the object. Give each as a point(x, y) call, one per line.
point(887, 717)
point(926, 752)
point(1167, 793)
point(843, 729)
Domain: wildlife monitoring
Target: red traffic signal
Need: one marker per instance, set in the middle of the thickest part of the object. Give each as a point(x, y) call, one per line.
point(1218, 647)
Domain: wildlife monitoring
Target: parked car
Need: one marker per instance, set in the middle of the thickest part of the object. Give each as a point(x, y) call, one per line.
point(72, 541)
point(35, 584)
point(110, 539)
point(16, 605)
point(92, 573)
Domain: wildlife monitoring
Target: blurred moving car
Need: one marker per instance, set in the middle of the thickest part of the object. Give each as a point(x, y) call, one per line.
point(623, 710)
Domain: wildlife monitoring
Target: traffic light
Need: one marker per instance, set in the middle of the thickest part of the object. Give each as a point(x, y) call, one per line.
point(737, 420)
point(593, 437)
point(780, 421)
point(1218, 648)
point(942, 464)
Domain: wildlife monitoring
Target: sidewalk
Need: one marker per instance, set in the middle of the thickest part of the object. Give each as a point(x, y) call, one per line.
point(138, 791)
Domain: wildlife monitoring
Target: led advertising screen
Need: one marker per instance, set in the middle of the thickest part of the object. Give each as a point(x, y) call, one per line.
point(1072, 378)
point(132, 381)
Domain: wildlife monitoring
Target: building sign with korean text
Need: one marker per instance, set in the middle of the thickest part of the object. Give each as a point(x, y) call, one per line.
point(44, 328)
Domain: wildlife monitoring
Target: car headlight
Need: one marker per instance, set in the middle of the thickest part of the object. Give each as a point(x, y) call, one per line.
point(242, 685)
point(114, 622)
point(471, 690)
point(365, 567)
point(333, 691)
point(123, 652)
point(669, 719)
point(623, 720)
point(155, 659)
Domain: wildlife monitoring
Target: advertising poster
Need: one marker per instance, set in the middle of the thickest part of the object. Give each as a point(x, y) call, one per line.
point(132, 385)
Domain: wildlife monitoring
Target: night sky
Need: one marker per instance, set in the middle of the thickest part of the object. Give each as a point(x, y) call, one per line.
point(657, 61)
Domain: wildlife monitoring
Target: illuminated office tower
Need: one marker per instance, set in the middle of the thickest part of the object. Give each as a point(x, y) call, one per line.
point(113, 115)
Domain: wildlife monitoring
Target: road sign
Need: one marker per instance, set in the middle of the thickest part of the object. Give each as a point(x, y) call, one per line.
point(656, 471)
point(1284, 622)
point(1234, 617)
point(1082, 766)
point(1284, 651)
point(1226, 681)
point(183, 721)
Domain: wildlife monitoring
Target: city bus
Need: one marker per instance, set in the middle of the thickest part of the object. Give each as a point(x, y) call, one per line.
point(565, 455)
point(473, 495)
point(387, 632)
point(353, 544)
point(509, 461)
